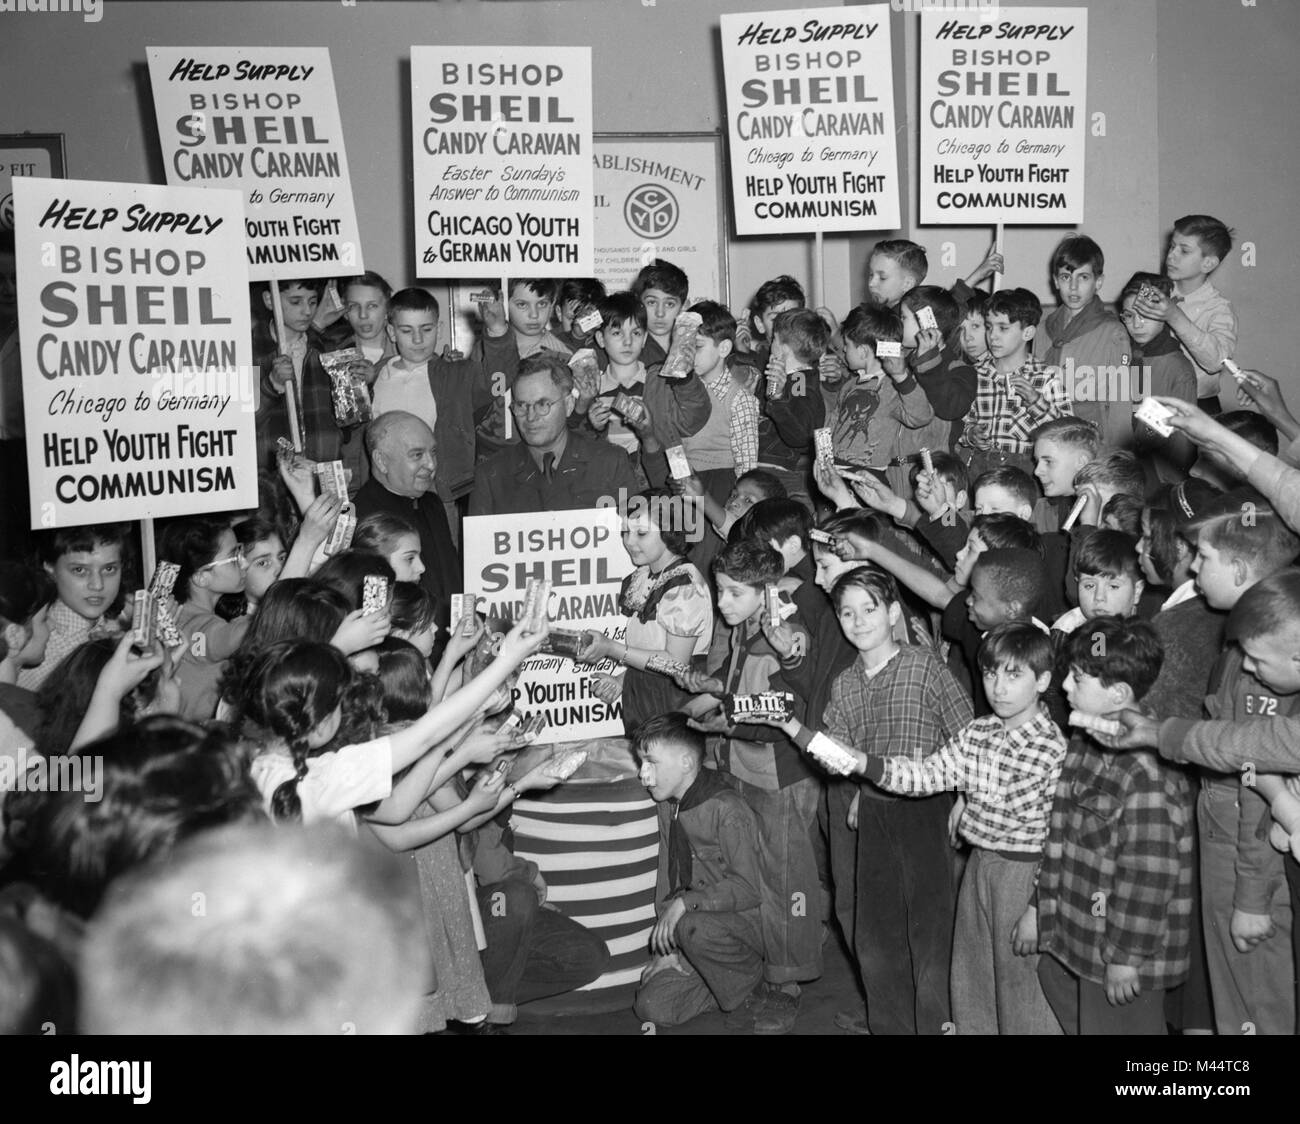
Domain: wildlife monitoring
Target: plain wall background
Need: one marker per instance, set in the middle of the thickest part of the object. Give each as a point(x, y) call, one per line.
point(1199, 97)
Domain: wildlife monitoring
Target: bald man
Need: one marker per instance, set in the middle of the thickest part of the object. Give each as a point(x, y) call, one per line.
point(403, 461)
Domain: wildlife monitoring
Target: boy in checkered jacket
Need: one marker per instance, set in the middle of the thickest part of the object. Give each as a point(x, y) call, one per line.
point(1114, 895)
point(1007, 763)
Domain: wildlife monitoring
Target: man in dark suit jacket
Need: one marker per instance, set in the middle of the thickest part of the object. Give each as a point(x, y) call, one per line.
point(552, 468)
point(403, 459)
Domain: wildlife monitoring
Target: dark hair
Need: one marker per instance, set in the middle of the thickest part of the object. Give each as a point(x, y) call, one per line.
point(1214, 237)
point(1016, 644)
point(379, 531)
point(164, 780)
point(586, 290)
point(1268, 607)
point(804, 332)
point(665, 277)
point(412, 608)
point(860, 521)
point(1252, 427)
point(23, 592)
point(1075, 251)
point(53, 545)
point(1134, 285)
point(1116, 650)
point(776, 291)
point(255, 529)
point(1000, 530)
point(288, 690)
point(876, 584)
point(546, 363)
point(1120, 470)
point(542, 287)
point(346, 572)
point(670, 727)
point(947, 467)
point(717, 323)
point(191, 543)
point(618, 308)
point(1019, 306)
point(63, 699)
point(404, 678)
point(947, 312)
point(275, 505)
point(1018, 575)
point(749, 562)
point(1109, 554)
point(369, 279)
point(771, 485)
point(412, 299)
point(867, 324)
point(663, 508)
point(777, 520)
point(1126, 510)
point(311, 284)
point(910, 257)
point(1012, 480)
point(976, 303)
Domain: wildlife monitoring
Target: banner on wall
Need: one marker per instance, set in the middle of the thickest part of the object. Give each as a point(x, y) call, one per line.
point(138, 383)
point(810, 108)
point(660, 196)
point(581, 554)
point(502, 150)
point(264, 120)
point(1003, 116)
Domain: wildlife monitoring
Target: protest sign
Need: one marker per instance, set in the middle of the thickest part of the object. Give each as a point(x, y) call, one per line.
point(660, 196)
point(26, 154)
point(810, 107)
point(502, 154)
point(264, 120)
point(582, 555)
point(1003, 111)
point(138, 384)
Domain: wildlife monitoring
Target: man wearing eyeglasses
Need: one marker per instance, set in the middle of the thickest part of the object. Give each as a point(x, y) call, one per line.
point(403, 462)
point(552, 468)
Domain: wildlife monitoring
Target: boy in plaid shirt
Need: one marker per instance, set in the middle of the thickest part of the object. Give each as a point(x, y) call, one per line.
point(1114, 896)
point(1015, 393)
point(1008, 764)
point(895, 699)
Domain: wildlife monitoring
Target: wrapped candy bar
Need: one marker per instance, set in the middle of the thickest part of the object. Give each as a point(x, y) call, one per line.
point(764, 704)
point(564, 765)
point(831, 756)
point(345, 527)
point(349, 392)
point(665, 665)
point(164, 580)
point(681, 352)
point(1096, 723)
point(563, 642)
point(333, 479)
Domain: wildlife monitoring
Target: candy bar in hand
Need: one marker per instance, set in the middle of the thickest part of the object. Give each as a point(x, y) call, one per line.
point(630, 408)
point(464, 606)
point(536, 595)
point(563, 642)
point(486, 296)
point(168, 633)
point(831, 756)
point(823, 538)
point(1096, 723)
point(333, 479)
point(1231, 367)
point(374, 594)
point(681, 352)
point(678, 464)
point(343, 389)
point(163, 581)
point(773, 595)
point(665, 665)
point(535, 725)
point(142, 622)
point(889, 349)
point(564, 765)
point(1075, 512)
point(925, 319)
point(1149, 293)
point(345, 527)
point(514, 721)
point(824, 445)
point(764, 704)
point(1156, 415)
point(927, 461)
point(588, 321)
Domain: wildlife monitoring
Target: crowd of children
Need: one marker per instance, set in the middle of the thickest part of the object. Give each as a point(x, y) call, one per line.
point(930, 672)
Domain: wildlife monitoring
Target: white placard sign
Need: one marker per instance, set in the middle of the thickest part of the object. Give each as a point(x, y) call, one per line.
point(264, 120)
point(1003, 116)
point(582, 555)
point(138, 382)
point(502, 151)
point(810, 108)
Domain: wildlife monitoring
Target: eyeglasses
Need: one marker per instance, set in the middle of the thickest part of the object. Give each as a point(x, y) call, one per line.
point(238, 556)
point(538, 409)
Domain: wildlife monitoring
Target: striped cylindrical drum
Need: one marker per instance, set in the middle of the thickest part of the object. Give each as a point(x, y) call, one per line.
point(597, 845)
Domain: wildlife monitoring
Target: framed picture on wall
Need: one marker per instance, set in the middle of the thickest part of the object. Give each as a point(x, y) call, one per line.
point(660, 195)
point(27, 154)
